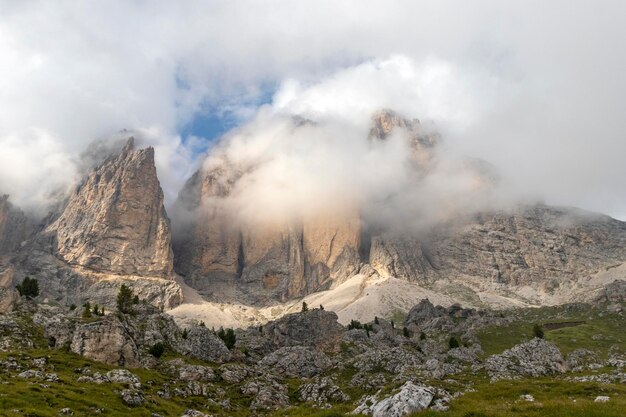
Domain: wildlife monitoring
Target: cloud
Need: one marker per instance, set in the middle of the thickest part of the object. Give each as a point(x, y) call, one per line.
point(537, 89)
point(310, 150)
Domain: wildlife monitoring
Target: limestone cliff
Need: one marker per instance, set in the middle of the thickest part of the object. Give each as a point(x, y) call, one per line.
point(114, 221)
point(538, 246)
point(231, 260)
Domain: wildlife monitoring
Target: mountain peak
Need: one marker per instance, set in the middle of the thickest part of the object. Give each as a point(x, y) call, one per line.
point(115, 221)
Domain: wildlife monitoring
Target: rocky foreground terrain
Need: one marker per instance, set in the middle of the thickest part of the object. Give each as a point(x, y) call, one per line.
point(56, 360)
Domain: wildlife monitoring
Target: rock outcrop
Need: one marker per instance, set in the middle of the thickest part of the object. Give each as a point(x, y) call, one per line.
point(537, 245)
point(316, 328)
point(531, 359)
point(226, 258)
point(114, 221)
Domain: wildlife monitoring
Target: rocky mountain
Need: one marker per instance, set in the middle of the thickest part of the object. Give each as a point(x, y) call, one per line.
point(111, 229)
point(115, 221)
point(227, 259)
point(527, 254)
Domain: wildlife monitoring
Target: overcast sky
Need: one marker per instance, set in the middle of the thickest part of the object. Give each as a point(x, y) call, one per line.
point(537, 88)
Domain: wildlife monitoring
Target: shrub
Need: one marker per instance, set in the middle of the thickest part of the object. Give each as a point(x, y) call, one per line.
point(29, 287)
point(422, 336)
point(228, 336)
point(368, 328)
point(405, 332)
point(453, 342)
point(185, 333)
point(376, 320)
point(136, 299)
point(305, 307)
point(355, 324)
point(321, 307)
point(538, 331)
point(73, 307)
point(125, 299)
point(87, 310)
point(157, 350)
point(393, 325)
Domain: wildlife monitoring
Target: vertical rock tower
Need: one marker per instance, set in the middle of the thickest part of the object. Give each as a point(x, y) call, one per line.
point(114, 222)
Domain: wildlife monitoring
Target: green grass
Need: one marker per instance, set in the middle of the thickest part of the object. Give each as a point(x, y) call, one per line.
point(496, 339)
point(553, 397)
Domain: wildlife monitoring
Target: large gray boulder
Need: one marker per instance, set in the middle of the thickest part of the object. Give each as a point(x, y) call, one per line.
point(297, 361)
point(410, 399)
point(202, 344)
point(535, 358)
point(107, 341)
point(315, 328)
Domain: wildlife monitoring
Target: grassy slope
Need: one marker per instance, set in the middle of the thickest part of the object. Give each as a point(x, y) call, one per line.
point(554, 396)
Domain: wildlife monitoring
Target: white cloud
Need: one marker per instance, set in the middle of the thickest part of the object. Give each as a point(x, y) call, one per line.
point(536, 88)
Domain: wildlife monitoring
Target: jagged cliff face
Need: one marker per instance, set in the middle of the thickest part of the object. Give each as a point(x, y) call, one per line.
point(228, 259)
point(232, 260)
point(537, 246)
point(114, 221)
point(14, 227)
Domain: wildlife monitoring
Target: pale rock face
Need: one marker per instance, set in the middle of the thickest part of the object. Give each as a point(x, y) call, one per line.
point(115, 222)
point(230, 259)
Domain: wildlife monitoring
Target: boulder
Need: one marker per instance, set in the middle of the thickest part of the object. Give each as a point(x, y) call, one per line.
point(315, 328)
point(297, 361)
point(202, 344)
point(535, 358)
point(107, 341)
point(321, 392)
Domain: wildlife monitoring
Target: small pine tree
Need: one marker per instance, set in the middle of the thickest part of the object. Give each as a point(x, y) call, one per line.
point(538, 331)
point(405, 332)
point(96, 310)
point(29, 288)
point(453, 342)
point(355, 324)
point(185, 333)
point(376, 320)
point(125, 299)
point(157, 350)
point(321, 307)
point(422, 336)
point(87, 311)
point(260, 329)
point(305, 307)
point(393, 325)
point(230, 339)
point(136, 299)
point(228, 336)
point(73, 307)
